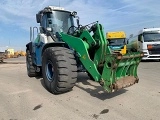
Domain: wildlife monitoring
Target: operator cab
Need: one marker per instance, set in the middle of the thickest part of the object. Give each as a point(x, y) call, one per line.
point(55, 19)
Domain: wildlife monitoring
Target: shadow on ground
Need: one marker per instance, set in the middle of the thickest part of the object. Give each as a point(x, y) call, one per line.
point(42, 83)
point(40, 78)
point(12, 62)
point(98, 90)
point(95, 90)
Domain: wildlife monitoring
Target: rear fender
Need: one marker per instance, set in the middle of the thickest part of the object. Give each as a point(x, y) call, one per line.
point(29, 47)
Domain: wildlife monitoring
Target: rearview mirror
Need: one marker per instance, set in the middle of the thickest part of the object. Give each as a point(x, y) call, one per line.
point(140, 38)
point(127, 41)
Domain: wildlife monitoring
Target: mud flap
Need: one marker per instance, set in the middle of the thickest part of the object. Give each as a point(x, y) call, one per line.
point(120, 71)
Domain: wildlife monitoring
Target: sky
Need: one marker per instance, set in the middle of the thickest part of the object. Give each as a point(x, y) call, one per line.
point(130, 16)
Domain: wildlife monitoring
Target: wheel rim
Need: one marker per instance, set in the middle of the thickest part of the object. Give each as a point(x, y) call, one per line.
point(49, 71)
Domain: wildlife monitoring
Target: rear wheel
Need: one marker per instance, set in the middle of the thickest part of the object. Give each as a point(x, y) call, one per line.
point(59, 69)
point(31, 71)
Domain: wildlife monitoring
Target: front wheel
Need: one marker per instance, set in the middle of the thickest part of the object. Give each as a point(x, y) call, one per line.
point(59, 69)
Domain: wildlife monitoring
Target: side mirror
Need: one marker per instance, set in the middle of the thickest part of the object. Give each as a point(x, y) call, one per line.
point(140, 38)
point(38, 18)
point(127, 41)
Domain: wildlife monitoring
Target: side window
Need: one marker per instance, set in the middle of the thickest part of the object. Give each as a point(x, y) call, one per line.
point(44, 23)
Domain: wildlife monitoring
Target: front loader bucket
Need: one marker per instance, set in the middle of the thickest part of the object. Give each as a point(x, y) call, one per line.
point(120, 71)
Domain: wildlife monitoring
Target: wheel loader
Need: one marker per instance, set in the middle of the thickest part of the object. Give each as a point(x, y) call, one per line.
point(59, 49)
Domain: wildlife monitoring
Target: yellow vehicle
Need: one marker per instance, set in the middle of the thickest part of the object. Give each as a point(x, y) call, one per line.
point(117, 41)
point(22, 53)
point(16, 54)
point(9, 53)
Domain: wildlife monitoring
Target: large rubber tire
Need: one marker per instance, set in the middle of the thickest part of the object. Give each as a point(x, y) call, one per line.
point(59, 69)
point(30, 67)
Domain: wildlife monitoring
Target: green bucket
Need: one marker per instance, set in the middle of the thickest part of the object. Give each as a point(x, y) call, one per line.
point(120, 71)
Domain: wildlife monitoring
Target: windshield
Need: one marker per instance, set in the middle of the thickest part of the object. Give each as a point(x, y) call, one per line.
point(116, 42)
point(60, 21)
point(150, 37)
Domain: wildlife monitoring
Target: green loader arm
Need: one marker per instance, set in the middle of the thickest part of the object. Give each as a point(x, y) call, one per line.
point(112, 71)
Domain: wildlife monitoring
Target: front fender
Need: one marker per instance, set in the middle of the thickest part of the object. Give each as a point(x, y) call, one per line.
point(54, 44)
